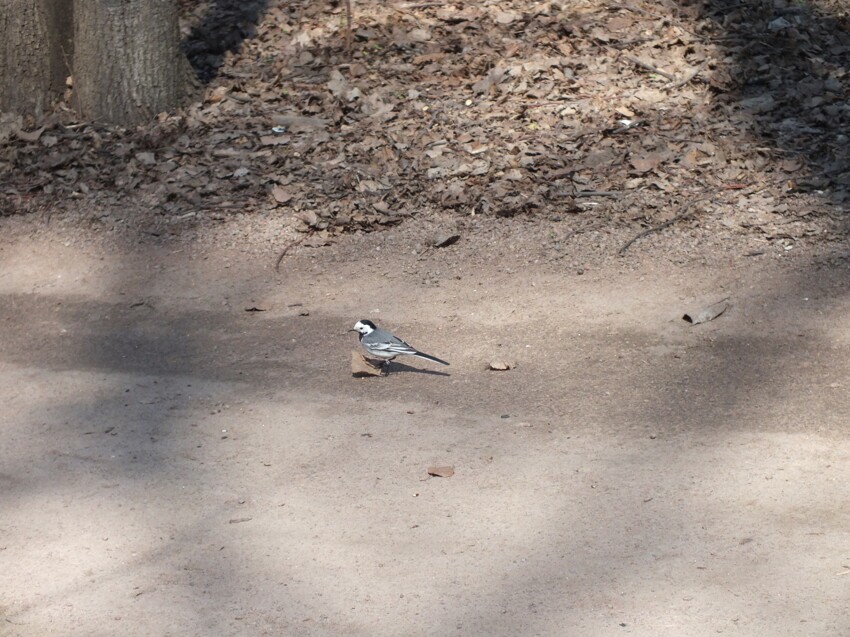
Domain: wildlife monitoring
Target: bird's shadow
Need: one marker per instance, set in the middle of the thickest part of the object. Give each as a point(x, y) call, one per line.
point(401, 367)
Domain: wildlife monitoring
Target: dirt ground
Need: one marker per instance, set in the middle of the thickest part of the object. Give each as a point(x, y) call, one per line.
point(183, 450)
point(172, 464)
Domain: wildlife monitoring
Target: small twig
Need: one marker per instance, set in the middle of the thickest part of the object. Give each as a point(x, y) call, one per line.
point(225, 206)
point(290, 245)
point(588, 227)
point(423, 5)
point(598, 193)
point(689, 76)
point(348, 33)
point(546, 103)
point(686, 212)
point(650, 67)
point(688, 140)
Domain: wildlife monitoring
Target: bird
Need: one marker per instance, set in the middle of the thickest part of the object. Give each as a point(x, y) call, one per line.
point(381, 344)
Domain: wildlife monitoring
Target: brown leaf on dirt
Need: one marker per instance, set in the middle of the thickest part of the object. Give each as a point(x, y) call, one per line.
point(691, 158)
point(493, 78)
point(501, 365)
point(309, 217)
point(281, 195)
point(441, 472)
point(362, 366)
point(706, 314)
point(646, 163)
point(445, 240)
point(337, 85)
point(146, 158)
point(218, 94)
point(505, 17)
point(29, 136)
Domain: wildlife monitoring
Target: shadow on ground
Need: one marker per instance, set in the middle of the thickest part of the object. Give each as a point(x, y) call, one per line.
point(719, 383)
point(590, 522)
point(790, 85)
point(222, 28)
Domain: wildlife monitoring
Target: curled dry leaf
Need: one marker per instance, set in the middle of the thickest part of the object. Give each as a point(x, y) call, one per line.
point(309, 217)
point(500, 365)
point(29, 136)
point(706, 314)
point(446, 240)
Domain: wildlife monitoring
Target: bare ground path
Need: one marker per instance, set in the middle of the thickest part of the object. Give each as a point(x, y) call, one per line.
point(171, 464)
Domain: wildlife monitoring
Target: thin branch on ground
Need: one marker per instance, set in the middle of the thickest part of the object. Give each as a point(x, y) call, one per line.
point(686, 212)
point(423, 5)
point(291, 244)
point(598, 193)
point(690, 76)
point(650, 67)
point(349, 32)
point(595, 224)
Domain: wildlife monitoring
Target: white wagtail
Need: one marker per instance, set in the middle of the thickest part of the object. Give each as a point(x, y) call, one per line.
point(381, 344)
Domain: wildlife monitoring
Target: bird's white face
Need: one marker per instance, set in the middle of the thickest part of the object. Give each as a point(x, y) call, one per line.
point(364, 327)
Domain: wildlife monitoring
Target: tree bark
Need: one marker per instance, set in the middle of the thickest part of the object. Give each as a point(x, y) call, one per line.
point(35, 51)
point(127, 60)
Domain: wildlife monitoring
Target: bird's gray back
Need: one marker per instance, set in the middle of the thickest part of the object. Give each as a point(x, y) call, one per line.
point(382, 336)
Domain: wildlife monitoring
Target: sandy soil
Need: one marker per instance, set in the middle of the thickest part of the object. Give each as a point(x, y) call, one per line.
point(171, 464)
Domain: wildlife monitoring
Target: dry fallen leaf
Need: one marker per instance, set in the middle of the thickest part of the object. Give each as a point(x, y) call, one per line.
point(29, 136)
point(706, 314)
point(505, 17)
point(280, 194)
point(217, 94)
point(493, 78)
point(645, 163)
point(445, 240)
point(499, 365)
point(361, 366)
point(309, 217)
point(441, 472)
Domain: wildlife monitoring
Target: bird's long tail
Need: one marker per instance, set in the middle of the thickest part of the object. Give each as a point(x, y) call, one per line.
point(428, 357)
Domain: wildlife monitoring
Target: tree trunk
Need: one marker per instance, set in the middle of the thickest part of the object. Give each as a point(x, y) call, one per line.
point(127, 60)
point(35, 51)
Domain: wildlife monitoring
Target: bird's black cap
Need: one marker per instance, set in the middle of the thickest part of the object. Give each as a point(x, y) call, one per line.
point(369, 323)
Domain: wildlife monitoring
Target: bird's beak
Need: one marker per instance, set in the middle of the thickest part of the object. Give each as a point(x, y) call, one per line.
point(352, 330)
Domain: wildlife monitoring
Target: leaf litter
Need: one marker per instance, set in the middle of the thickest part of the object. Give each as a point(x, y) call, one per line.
point(498, 108)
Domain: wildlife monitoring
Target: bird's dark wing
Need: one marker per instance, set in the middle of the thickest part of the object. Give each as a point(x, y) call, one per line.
point(392, 346)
